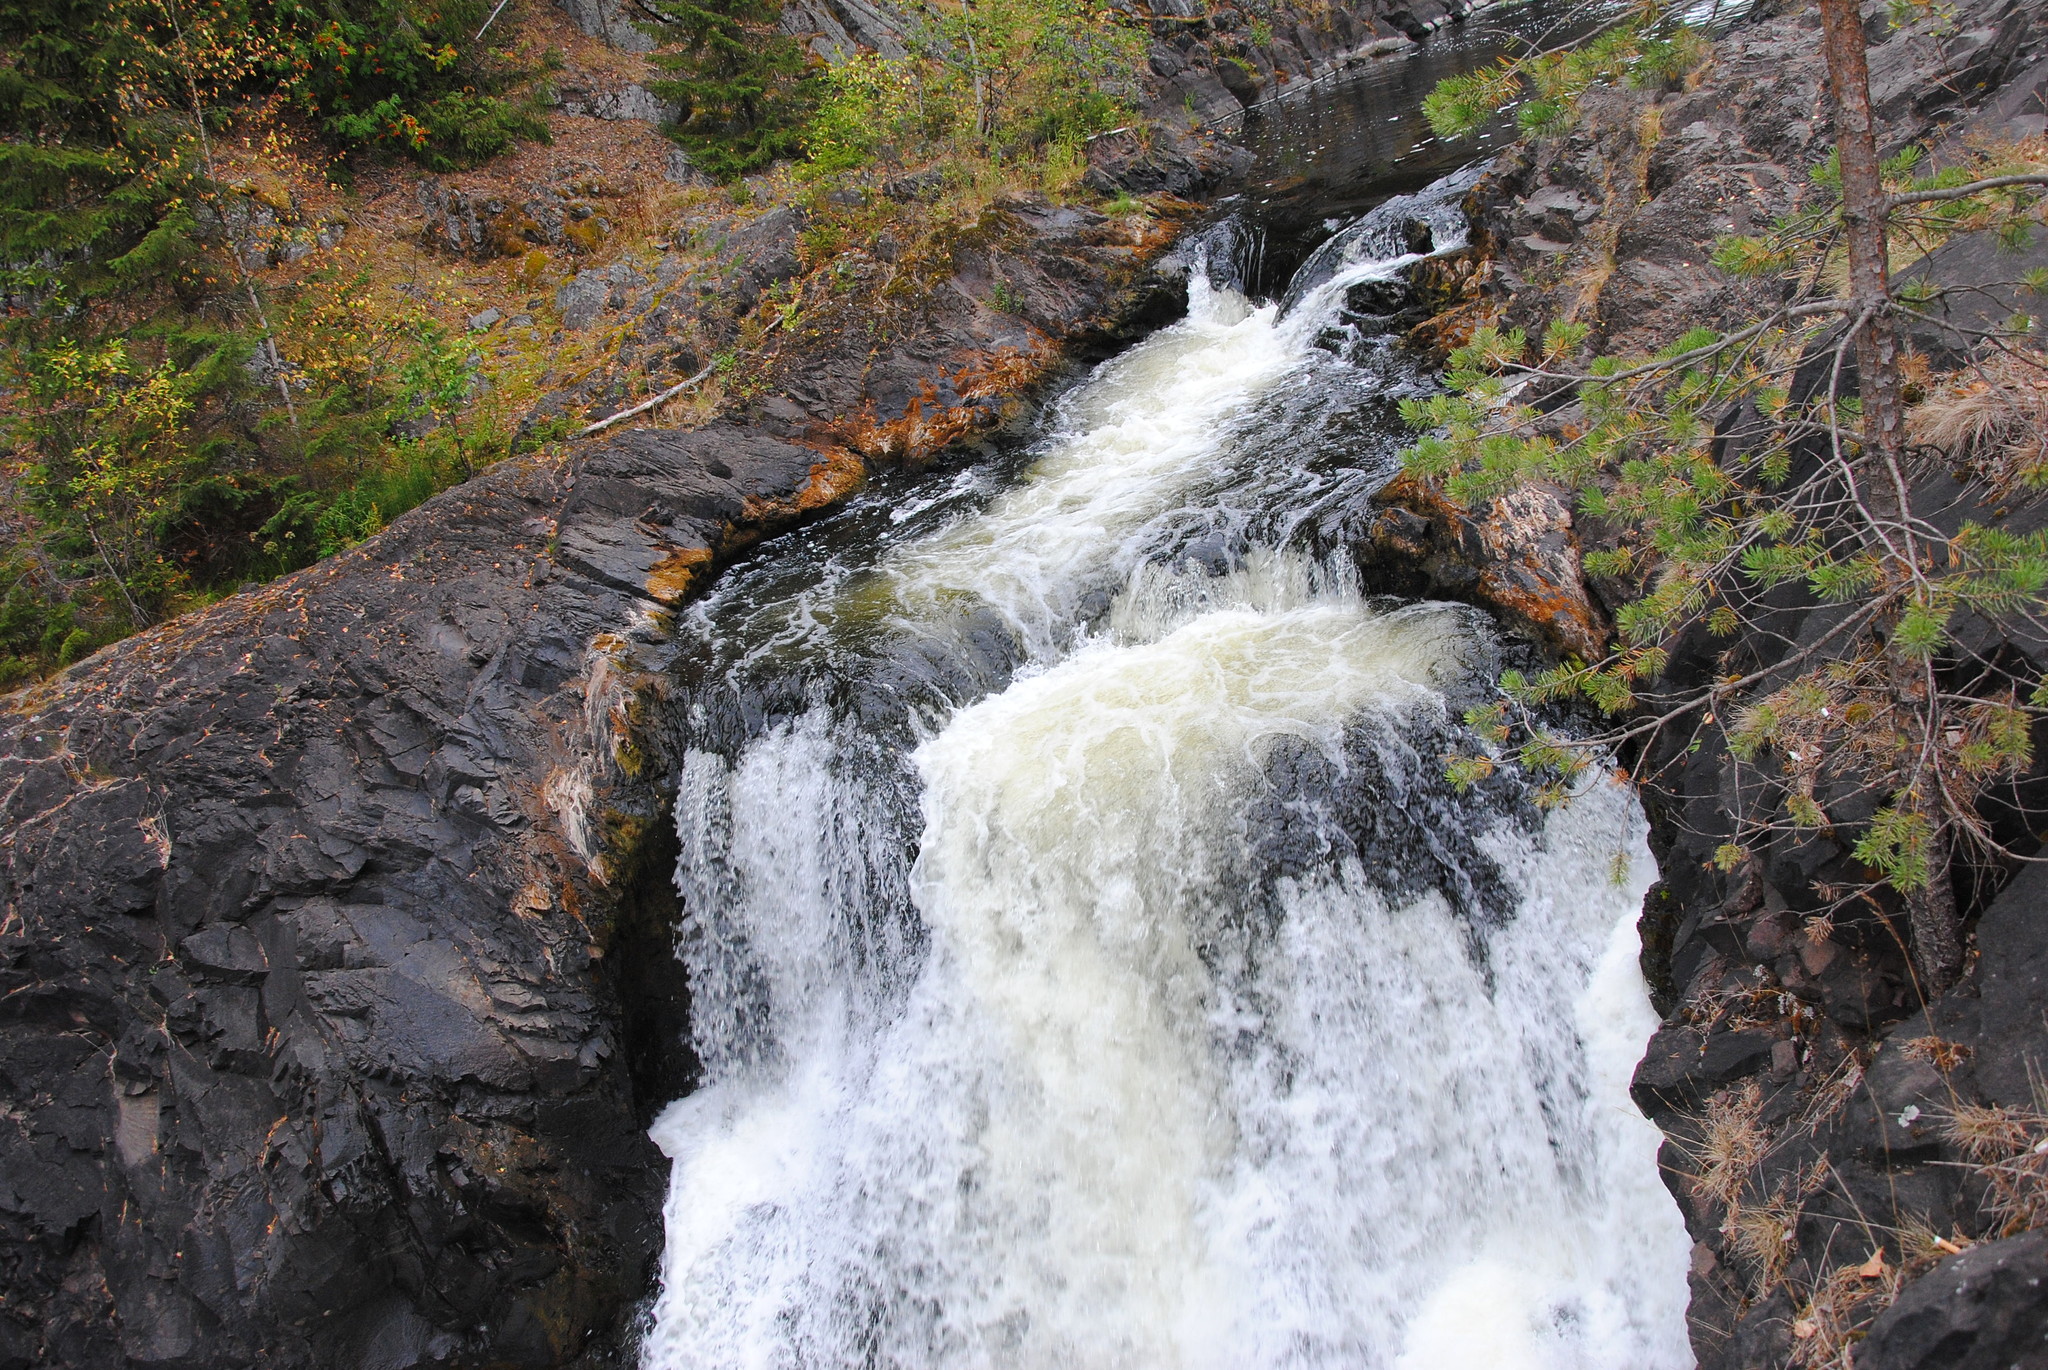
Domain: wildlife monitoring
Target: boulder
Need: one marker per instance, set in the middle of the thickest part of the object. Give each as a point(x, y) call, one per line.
point(1517, 555)
point(1984, 1309)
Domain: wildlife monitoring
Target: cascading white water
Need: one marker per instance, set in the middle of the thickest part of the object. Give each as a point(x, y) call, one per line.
point(1207, 1028)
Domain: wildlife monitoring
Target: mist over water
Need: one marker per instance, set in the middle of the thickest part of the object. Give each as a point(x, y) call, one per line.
point(1090, 966)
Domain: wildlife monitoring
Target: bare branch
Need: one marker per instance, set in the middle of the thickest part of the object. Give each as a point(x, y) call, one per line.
point(1964, 192)
point(646, 404)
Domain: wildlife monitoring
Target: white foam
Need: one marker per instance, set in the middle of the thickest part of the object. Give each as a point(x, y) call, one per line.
point(1104, 1099)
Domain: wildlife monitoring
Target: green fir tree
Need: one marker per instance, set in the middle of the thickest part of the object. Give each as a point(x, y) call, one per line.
point(747, 92)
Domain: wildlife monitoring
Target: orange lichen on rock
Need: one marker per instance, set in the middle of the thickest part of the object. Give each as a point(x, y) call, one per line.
point(1518, 555)
point(928, 423)
point(671, 579)
point(838, 473)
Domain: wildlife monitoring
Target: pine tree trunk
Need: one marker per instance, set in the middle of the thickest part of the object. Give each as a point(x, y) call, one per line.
point(1931, 915)
point(1931, 909)
point(1864, 218)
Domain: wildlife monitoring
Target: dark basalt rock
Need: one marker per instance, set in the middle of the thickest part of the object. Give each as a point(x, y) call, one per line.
point(1682, 1065)
point(1976, 271)
point(1167, 162)
point(1985, 1309)
point(308, 1040)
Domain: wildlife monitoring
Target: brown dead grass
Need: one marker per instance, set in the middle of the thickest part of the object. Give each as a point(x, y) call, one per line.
point(1990, 423)
point(1838, 1309)
point(1732, 1144)
point(2007, 1148)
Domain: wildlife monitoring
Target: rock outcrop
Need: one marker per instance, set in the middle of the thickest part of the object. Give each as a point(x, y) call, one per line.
point(1518, 556)
point(312, 1054)
point(336, 973)
point(1978, 1310)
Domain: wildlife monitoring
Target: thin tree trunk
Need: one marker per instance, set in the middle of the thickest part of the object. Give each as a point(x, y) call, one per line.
point(135, 614)
point(974, 67)
point(1931, 909)
point(1864, 214)
point(275, 358)
point(1931, 913)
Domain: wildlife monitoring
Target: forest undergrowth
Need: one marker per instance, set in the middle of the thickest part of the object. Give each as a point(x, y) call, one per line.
point(225, 348)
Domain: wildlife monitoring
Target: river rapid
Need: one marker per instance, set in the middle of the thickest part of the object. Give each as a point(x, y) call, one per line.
point(1089, 965)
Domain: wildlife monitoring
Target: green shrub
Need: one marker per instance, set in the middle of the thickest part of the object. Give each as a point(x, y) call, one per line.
point(1643, 52)
point(874, 108)
point(1055, 71)
point(398, 74)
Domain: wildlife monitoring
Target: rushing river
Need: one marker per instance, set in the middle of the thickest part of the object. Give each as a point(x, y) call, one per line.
point(1090, 967)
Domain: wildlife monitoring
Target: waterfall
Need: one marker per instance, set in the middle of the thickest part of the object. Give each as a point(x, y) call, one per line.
point(1090, 966)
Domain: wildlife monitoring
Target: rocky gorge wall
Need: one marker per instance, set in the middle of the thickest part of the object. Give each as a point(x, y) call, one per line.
point(335, 919)
point(1207, 61)
point(1803, 1057)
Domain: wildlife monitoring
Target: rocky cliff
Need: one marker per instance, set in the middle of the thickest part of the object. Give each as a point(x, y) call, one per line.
point(335, 919)
point(1809, 1097)
point(334, 922)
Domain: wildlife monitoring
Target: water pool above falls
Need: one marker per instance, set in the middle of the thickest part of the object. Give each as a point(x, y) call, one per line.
point(1090, 966)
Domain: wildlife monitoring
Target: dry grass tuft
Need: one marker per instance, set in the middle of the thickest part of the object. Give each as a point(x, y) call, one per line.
point(1991, 422)
point(1938, 1052)
point(1766, 1237)
point(1839, 1308)
point(1732, 1144)
point(2008, 1150)
point(1986, 1134)
point(1921, 1246)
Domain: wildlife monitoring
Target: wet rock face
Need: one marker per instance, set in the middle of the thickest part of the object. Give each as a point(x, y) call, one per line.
point(309, 1040)
point(1164, 162)
point(651, 510)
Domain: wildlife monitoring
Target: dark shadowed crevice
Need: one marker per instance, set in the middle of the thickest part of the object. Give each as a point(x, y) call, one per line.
point(652, 986)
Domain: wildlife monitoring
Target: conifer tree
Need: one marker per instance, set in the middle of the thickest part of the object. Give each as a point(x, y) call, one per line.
point(744, 88)
point(1930, 902)
point(90, 162)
